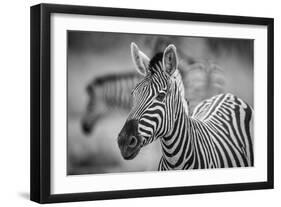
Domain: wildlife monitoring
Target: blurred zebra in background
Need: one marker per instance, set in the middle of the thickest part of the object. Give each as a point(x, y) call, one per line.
point(202, 80)
point(106, 94)
point(112, 92)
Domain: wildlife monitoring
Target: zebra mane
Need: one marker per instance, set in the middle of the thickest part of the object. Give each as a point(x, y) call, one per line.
point(114, 77)
point(178, 79)
point(154, 62)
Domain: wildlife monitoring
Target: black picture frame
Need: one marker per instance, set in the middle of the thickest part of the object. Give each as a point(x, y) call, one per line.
point(40, 176)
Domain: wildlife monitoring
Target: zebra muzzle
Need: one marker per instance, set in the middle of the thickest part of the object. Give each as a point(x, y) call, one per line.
point(132, 142)
point(129, 141)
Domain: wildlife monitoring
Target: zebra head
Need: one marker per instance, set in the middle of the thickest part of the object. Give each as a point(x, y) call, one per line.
point(154, 98)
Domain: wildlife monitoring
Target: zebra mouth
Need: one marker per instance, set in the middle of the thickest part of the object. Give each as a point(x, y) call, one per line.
point(129, 140)
point(132, 155)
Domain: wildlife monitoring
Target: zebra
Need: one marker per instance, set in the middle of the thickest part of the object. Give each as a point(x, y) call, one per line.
point(202, 80)
point(112, 92)
point(107, 94)
point(218, 134)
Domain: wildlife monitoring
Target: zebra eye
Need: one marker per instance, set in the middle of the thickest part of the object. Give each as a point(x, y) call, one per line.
point(160, 96)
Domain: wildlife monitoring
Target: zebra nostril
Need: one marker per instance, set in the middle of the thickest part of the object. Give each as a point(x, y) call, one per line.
point(133, 142)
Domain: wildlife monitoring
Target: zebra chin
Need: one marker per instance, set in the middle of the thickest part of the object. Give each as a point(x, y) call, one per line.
point(131, 155)
point(129, 140)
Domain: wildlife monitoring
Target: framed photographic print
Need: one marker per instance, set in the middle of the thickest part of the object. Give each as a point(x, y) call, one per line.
point(133, 103)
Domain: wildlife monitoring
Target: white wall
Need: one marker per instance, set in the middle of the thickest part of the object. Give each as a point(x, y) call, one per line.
point(14, 90)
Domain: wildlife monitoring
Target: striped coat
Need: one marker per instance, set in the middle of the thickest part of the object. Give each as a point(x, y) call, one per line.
point(218, 134)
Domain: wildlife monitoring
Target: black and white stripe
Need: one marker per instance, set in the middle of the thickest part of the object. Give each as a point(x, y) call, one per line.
point(217, 135)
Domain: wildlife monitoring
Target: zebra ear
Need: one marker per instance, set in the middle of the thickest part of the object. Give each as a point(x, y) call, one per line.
point(140, 60)
point(170, 59)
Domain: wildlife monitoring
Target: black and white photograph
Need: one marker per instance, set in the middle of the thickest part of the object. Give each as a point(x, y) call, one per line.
point(140, 103)
point(148, 102)
point(129, 103)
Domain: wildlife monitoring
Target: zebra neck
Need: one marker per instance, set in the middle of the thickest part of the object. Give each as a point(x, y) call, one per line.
point(178, 147)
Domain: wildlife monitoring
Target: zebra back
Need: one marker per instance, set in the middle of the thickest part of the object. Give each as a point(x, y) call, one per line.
point(114, 89)
point(230, 120)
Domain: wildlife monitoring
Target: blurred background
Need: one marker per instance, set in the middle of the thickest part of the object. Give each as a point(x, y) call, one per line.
point(209, 66)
